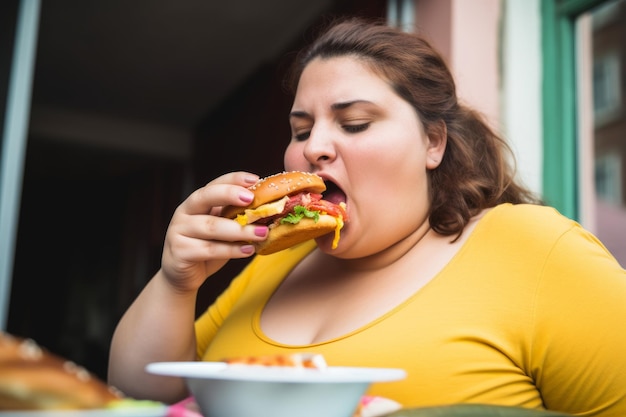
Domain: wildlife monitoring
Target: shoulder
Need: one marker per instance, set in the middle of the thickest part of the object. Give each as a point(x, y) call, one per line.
point(530, 214)
point(544, 233)
point(541, 231)
point(528, 221)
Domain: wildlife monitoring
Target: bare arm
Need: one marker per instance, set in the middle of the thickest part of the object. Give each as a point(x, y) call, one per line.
point(159, 325)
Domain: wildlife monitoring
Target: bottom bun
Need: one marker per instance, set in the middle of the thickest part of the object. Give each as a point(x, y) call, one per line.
point(284, 236)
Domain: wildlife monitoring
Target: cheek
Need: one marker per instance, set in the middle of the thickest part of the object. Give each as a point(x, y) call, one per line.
point(392, 158)
point(294, 158)
point(391, 173)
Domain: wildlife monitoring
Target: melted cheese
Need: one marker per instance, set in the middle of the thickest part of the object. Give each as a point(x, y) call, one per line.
point(337, 232)
point(249, 216)
point(338, 227)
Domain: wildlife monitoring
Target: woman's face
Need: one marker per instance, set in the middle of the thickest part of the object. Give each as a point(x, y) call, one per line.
point(351, 128)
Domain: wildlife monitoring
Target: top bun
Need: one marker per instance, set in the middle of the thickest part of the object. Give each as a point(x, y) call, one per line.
point(276, 186)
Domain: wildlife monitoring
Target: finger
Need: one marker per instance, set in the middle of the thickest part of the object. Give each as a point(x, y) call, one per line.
point(192, 250)
point(229, 189)
point(215, 228)
point(243, 178)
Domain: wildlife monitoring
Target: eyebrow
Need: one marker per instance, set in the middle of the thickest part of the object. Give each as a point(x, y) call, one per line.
point(335, 106)
point(346, 104)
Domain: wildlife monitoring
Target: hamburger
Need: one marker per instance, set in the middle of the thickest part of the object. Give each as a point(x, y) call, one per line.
point(291, 205)
point(32, 378)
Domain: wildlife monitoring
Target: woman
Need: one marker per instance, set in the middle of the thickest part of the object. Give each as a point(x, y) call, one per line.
point(444, 268)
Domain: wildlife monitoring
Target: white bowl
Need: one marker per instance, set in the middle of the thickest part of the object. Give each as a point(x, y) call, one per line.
point(256, 391)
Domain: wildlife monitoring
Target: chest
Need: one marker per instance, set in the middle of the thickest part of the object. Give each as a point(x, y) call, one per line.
point(319, 302)
point(436, 342)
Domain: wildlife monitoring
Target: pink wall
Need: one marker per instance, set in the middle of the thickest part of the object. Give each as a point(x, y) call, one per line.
point(434, 21)
point(467, 34)
point(611, 228)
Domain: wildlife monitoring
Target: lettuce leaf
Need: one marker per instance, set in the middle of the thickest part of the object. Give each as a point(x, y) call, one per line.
point(299, 213)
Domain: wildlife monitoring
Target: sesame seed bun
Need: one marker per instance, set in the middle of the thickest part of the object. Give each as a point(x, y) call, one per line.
point(275, 187)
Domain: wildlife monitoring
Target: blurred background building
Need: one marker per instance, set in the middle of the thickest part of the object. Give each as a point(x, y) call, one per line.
point(114, 111)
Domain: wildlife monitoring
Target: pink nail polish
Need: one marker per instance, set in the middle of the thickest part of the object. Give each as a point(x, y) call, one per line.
point(247, 249)
point(251, 179)
point(260, 231)
point(246, 196)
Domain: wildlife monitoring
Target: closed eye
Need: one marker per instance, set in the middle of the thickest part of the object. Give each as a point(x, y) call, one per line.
point(356, 128)
point(302, 136)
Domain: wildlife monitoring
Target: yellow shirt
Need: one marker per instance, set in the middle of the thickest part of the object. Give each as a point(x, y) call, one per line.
point(530, 312)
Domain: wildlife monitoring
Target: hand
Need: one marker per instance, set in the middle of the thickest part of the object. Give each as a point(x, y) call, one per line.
point(199, 242)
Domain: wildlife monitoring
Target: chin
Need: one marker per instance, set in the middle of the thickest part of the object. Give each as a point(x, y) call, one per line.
point(342, 251)
point(325, 244)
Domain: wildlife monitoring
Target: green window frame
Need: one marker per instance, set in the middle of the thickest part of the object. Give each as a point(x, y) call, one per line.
point(560, 136)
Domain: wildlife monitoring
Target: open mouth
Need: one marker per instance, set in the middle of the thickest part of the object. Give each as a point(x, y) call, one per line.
point(333, 193)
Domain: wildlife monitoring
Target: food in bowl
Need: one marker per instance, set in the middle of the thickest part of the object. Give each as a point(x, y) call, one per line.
point(294, 360)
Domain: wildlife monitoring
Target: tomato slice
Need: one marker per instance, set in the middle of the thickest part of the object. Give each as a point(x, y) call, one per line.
point(329, 208)
point(314, 202)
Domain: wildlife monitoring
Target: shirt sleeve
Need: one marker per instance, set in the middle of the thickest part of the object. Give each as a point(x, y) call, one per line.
point(578, 357)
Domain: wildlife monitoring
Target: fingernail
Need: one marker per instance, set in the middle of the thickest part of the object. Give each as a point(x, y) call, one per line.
point(246, 196)
point(260, 231)
point(247, 249)
point(251, 179)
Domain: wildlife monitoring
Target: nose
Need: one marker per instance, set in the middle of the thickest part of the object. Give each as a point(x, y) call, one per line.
point(319, 148)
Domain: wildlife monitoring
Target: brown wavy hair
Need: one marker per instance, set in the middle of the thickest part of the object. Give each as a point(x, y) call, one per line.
point(478, 168)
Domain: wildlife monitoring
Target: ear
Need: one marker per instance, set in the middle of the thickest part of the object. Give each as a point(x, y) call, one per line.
point(437, 140)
